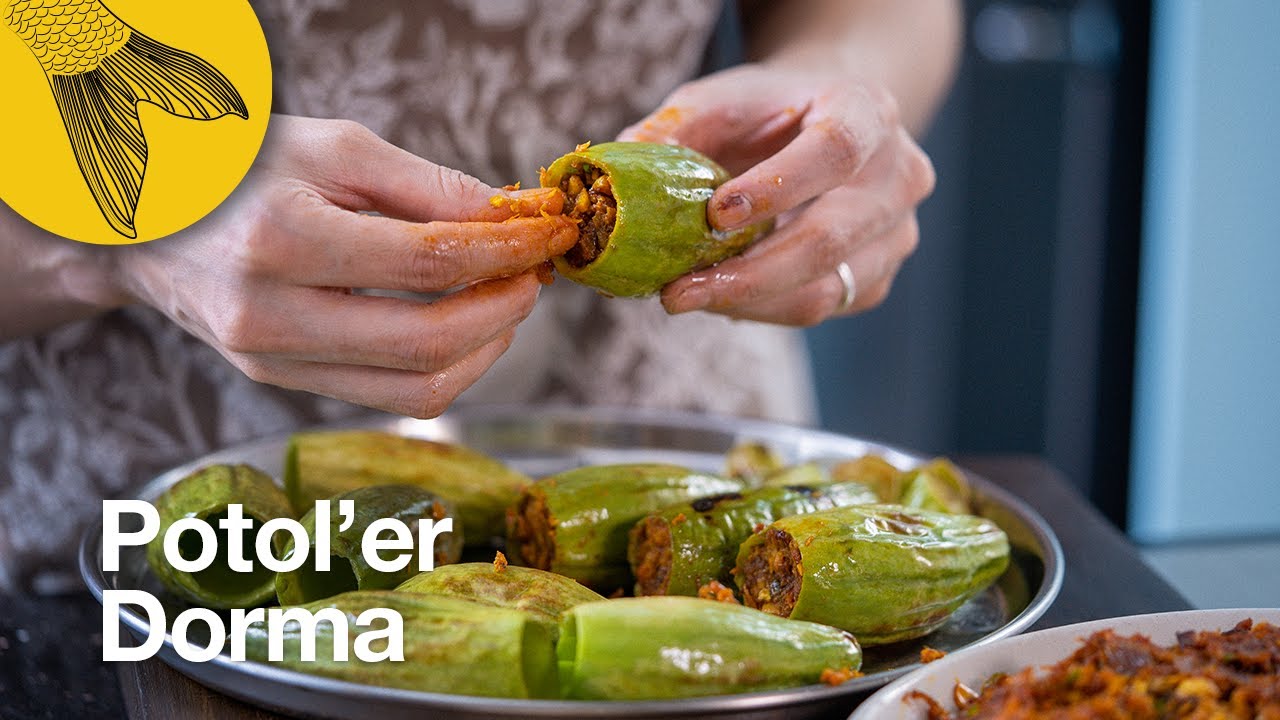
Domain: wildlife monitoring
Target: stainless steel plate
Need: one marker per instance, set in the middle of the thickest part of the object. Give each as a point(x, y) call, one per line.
point(542, 441)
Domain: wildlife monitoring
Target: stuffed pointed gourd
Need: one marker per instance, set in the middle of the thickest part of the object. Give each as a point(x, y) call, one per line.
point(883, 572)
point(876, 473)
point(676, 647)
point(751, 462)
point(348, 567)
point(450, 646)
point(683, 547)
point(545, 596)
point(576, 523)
point(642, 215)
point(206, 494)
point(808, 474)
point(936, 485)
point(319, 465)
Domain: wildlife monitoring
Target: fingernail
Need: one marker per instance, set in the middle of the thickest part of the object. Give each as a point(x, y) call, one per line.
point(733, 211)
point(532, 202)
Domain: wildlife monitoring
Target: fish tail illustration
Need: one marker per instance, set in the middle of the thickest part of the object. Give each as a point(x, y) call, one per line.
point(100, 111)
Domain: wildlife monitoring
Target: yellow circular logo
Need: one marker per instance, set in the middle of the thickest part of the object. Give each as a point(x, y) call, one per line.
point(128, 120)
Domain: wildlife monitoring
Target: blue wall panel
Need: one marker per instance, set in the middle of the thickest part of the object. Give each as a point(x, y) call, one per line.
point(1206, 457)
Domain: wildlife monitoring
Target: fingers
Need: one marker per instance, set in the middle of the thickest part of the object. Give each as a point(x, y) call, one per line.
point(824, 233)
point(823, 298)
point(354, 168)
point(422, 395)
point(799, 252)
point(329, 327)
point(325, 246)
point(841, 133)
point(713, 127)
point(534, 202)
point(874, 267)
point(715, 117)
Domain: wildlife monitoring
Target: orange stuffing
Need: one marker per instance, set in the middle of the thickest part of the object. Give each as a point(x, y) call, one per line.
point(1205, 675)
point(833, 676)
point(717, 592)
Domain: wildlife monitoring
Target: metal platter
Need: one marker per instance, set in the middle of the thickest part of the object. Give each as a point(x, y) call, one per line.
point(541, 441)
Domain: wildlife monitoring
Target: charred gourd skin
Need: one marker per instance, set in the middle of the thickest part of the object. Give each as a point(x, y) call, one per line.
point(883, 572)
point(702, 537)
point(659, 232)
point(677, 647)
point(577, 523)
point(348, 568)
point(545, 596)
point(206, 494)
point(450, 646)
point(319, 465)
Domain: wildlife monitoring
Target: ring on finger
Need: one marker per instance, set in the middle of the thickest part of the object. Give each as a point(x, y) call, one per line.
point(845, 273)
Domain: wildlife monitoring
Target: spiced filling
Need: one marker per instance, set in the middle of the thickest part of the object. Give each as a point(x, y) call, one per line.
point(772, 574)
point(651, 548)
point(589, 200)
point(533, 531)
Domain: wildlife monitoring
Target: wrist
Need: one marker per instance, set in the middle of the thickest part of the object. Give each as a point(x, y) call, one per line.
point(49, 281)
point(92, 276)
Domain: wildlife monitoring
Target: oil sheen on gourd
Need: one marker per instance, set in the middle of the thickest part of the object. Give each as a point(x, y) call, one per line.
point(883, 572)
point(642, 215)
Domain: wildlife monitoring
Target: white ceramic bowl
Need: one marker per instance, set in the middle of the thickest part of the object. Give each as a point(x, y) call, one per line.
point(1045, 647)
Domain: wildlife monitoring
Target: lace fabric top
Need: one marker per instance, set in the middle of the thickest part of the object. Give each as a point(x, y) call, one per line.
point(495, 88)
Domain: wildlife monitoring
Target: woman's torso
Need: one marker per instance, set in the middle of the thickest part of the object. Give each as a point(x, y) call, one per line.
point(495, 88)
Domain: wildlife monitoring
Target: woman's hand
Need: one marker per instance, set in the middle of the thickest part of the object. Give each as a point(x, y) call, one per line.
point(266, 280)
point(829, 158)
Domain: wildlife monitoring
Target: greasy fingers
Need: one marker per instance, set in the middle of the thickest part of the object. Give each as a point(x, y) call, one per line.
point(326, 246)
point(533, 202)
point(448, 254)
point(325, 326)
point(266, 279)
point(421, 395)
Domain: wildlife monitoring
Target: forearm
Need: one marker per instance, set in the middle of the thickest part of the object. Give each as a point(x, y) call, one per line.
point(910, 47)
point(49, 281)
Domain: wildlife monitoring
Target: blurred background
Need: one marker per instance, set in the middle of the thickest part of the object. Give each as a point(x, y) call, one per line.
point(1098, 280)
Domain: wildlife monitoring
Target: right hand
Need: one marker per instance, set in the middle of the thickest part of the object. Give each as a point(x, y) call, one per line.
point(265, 280)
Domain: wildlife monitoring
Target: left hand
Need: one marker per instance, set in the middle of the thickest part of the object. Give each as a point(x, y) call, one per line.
point(829, 158)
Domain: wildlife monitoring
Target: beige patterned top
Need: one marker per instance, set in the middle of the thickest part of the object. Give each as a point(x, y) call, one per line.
point(492, 87)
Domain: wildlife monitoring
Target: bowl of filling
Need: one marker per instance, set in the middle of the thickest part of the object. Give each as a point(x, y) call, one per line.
point(1191, 664)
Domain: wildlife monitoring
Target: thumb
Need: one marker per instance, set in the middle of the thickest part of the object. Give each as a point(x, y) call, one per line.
point(364, 172)
point(402, 185)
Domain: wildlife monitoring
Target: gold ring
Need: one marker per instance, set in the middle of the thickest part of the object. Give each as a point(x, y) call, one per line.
point(845, 274)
